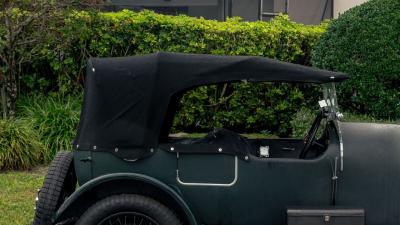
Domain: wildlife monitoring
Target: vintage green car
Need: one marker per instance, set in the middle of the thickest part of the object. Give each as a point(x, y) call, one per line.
point(130, 171)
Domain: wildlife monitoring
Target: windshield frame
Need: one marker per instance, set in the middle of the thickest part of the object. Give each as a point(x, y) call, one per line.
point(332, 107)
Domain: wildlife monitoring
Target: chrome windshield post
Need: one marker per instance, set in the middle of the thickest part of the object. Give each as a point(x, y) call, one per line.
point(335, 115)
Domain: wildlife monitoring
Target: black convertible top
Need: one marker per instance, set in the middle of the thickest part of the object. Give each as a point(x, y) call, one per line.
point(127, 98)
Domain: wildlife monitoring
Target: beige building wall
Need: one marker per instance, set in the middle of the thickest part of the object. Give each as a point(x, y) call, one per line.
point(340, 6)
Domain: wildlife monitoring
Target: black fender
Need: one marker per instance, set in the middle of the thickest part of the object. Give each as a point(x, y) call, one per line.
point(371, 171)
point(118, 183)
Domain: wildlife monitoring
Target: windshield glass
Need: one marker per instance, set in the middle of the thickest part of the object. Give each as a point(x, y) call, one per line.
point(330, 101)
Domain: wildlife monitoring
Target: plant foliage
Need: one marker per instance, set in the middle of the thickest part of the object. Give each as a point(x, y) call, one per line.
point(93, 34)
point(128, 33)
point(365, 43)
point(20, 146)
point(242, 106)
point(55, 119)
point(61, 66)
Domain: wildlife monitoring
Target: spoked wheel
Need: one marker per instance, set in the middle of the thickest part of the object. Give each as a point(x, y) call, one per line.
point(128, 209)
point(60, 182)
point(128, 218)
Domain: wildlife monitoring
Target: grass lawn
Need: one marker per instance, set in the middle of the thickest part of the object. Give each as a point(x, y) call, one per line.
point(18, 191)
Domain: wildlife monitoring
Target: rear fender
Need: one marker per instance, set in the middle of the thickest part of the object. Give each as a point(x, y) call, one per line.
point(122, 183)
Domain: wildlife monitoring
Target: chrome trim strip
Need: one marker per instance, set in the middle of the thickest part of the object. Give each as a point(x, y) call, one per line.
point(341, 145)
point(211, 184)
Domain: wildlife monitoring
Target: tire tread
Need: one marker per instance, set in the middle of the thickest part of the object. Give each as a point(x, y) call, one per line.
point(53, 184)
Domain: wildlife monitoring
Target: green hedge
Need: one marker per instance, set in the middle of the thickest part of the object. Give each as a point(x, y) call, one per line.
point(127, 33)
point(59, 62)
point(244, 107)
point(364, 42)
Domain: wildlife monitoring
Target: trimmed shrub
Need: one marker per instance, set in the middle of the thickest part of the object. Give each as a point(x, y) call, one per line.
point(364, 42)
point(243, 106)
point(20, 146)
point(129, 33)
point(55, 119)
point(61, 61)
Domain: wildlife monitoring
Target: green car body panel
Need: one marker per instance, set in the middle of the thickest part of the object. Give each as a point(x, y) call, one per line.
point(256, 192)
point(103, 183)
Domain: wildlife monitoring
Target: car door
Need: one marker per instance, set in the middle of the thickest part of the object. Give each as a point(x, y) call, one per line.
point(259, 191)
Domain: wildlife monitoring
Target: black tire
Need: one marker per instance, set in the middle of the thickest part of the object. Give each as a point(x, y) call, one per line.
point(128, 208)
point(59, 183)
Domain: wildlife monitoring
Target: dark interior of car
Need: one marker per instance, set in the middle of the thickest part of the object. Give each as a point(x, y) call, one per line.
point(313, 145)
